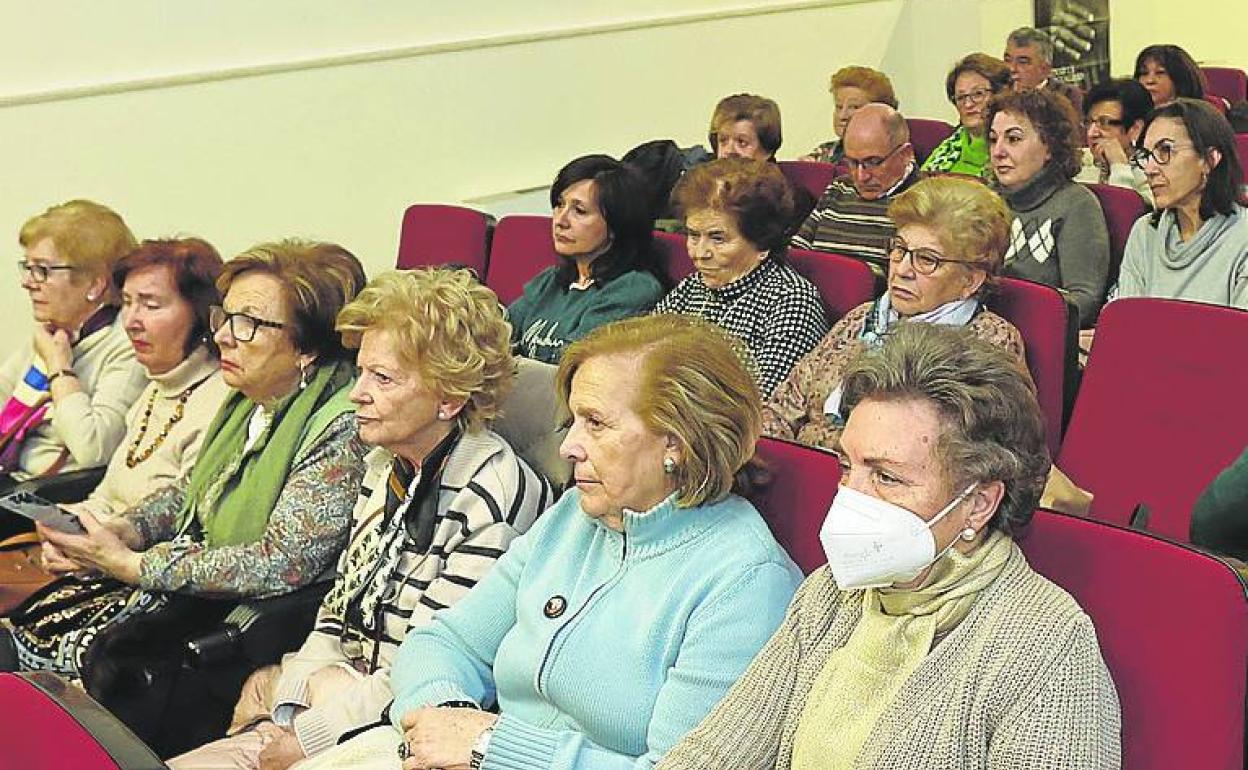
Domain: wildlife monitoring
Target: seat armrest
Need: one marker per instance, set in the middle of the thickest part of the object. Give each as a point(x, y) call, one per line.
point(70, 487)
point(260, 631)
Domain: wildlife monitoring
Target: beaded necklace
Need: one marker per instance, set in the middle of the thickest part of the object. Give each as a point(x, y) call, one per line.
point(133, 455)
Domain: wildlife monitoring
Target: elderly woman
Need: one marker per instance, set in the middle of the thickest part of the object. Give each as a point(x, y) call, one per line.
point(734, 212)
point(66, 393)
point(267, 506)
point(442, 499)
point(951, 234)
point(1168, 72)
point(851, 87)
point(1059, 236)
point(1195, 247)
point(969, 86)
point(927, 641)
point(577, 636)
point(745, 126)
point(608, 265)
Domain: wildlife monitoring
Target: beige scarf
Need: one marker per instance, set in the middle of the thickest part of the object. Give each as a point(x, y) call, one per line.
point(889, 643)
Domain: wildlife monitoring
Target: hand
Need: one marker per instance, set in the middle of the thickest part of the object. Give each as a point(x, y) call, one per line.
point(1109, 151)
point(443, 737)
point(98, 548)
point(56, 562)
point(53, 346)
point(282, 748)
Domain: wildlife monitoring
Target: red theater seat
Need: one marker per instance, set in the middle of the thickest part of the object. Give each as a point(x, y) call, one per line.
point(800, 484)
point(1050, 328)
point(434, 234)
point(1241, 146)
point(521, 249)
point(814, 178)
point(1160, 409)
point(843, 282)
point(1230, 83)
point(1173, 627)
point(673, 246)
point(925, 134)
point(1122, 207)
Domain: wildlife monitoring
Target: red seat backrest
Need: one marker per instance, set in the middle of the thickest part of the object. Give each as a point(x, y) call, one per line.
point(1173, 626)
point(1160, 409)
point(1049, 326)
point(843, 282)
point(802, 482)
point(521, 249)
point(436, 234)
point(925, 134)
point(673, 245)
point(41, 735)
point(1230, 83)
point(1122, 207)
point(808, 175)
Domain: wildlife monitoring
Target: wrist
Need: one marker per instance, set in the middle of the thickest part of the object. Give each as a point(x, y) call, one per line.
point(59, 372)
point(479, 748)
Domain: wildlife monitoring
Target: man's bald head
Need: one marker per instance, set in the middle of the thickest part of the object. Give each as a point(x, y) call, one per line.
point(877, 149)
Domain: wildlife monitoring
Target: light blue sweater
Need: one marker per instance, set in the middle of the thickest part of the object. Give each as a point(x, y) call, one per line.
point(650, 628)
point(1211, 267)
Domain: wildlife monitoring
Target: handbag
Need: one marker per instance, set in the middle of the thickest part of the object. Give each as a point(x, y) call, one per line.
point(21, 570)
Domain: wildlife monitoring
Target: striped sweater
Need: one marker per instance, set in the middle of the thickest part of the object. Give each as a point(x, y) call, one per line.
point(845, 223)
point(488, 496)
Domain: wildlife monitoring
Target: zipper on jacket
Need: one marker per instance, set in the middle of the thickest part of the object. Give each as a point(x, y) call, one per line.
point(541, 669)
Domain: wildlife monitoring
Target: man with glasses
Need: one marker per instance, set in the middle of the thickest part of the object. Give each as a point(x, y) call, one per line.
point(1113, 119)
point(851, 217)
point(1029, 55)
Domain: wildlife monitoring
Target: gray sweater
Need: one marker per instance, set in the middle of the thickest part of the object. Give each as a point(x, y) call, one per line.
point(1059, 238)
point(1211, 267)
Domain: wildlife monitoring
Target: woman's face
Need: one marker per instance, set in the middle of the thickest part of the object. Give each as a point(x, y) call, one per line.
point(67, 298)
point(739, 140)
point(910, 291)
point(157, 317)
point(1182, 181)
point(971, 92)
point(1016, 149)
point(578, 226)
point(394, 407)
point(267, 367)
point(846, 101)
point(719, 251)
point(617, 460)
point(1157, 82)
point(886, 451)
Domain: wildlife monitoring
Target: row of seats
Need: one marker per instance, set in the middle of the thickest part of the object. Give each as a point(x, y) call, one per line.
point(1229, 83)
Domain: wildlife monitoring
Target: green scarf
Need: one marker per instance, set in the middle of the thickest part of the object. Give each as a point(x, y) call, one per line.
point(889, 643)
point(231, 493)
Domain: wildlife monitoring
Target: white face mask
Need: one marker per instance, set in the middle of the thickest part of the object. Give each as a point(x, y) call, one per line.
point(871, 543)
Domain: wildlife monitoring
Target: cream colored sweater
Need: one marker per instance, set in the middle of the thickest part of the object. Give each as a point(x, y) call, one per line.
point(123, 487)
point(1020, 683)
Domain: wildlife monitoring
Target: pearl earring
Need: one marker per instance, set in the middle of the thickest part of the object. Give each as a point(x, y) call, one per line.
point(303, 376)
point(968, 534)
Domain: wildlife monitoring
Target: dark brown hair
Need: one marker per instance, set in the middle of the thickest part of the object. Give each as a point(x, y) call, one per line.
point(753, 192)
point(990, 68)
point(196, 266)
point(1054, 119)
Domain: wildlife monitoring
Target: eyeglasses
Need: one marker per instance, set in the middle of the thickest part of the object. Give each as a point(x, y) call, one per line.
point(974, 97)
point(925, 261)
point(1162, 152)
point(1104, 123)
point(871, 164)
point(39, 272)
point(242, 326)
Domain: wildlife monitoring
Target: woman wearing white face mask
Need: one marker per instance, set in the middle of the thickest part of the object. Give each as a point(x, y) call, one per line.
point(928, 641)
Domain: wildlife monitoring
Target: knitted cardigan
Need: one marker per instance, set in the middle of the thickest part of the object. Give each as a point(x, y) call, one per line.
point(601, 647)
point(1018, 684)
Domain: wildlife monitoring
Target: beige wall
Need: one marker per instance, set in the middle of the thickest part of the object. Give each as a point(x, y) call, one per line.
point(242, 121)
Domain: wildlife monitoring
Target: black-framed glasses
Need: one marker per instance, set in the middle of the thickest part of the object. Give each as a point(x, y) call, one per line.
point(871, 164)
point(1103, 122)
point(1162, 152)
point(242, 326)
point(39, 272)
point(974, 97)
point(925, 261)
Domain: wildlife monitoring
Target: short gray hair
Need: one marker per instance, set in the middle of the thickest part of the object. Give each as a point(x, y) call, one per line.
point(1025, 36)
point(993, 427)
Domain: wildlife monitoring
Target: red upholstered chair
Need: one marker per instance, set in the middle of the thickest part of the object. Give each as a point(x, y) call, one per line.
point(1173, 626)
point(1160, 409)
point(1219, 104)
point(843, 282)
point(435, 234)
point(925, 134)
point(52, 725)
point(810, 176)
point(1230, 83)
point(800, 486)
point(678, 263)
point(521, 249)
point(1050, 329)
point(1122, 207)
